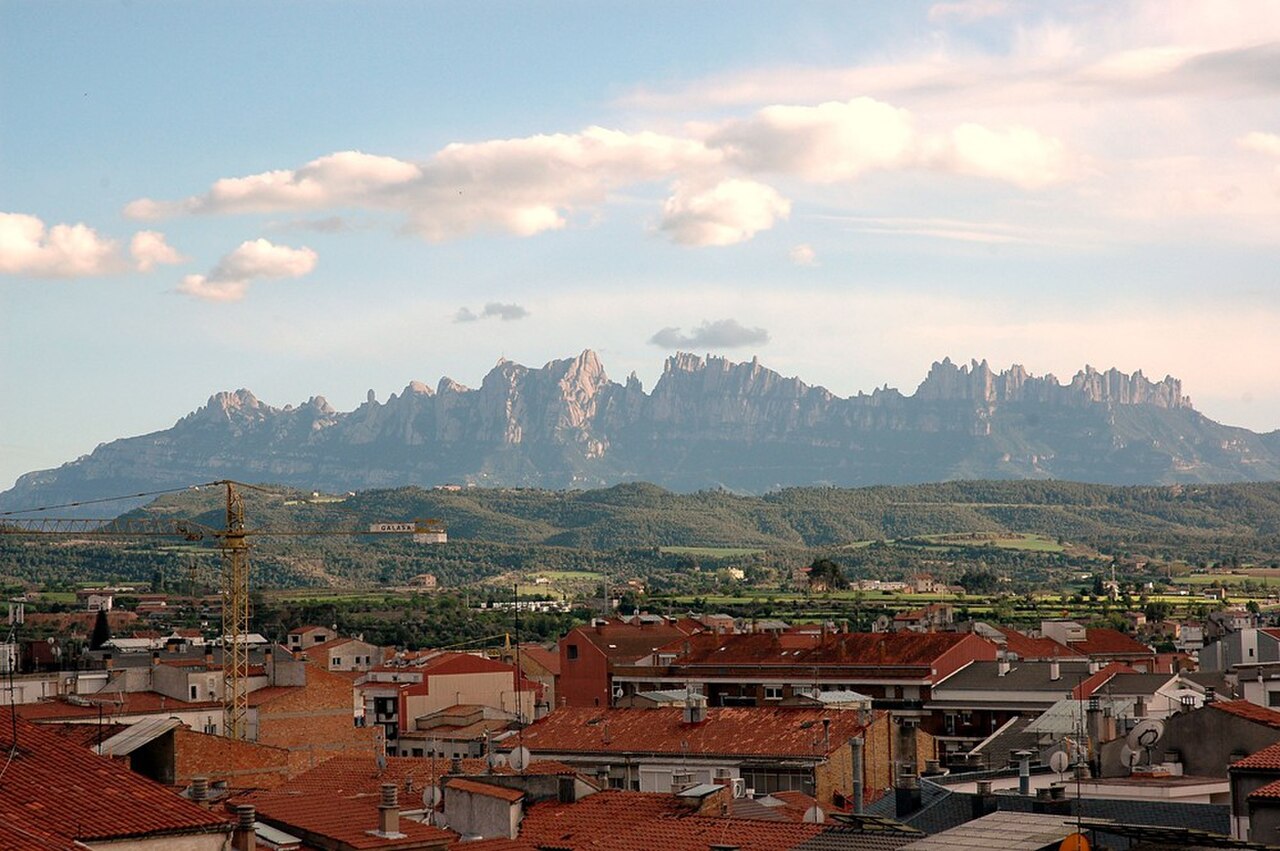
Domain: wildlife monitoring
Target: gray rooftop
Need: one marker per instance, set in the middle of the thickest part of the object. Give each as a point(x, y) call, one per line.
point(1021, 676)
point(1002, 830)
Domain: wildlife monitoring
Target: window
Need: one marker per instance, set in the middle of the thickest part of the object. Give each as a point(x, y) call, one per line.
point(195, 693)
point(773, 692)
point(337, 660)
point(572, 652)
point(1273, 698)
point(417, 751)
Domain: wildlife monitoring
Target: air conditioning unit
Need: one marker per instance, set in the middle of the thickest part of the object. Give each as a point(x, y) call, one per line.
point(739, 787)
point(617, 692)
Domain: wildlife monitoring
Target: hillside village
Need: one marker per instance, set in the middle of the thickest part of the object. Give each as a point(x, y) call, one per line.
point(698, 732)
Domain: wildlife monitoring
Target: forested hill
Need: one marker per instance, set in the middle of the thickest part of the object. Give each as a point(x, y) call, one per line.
point(1173, 521)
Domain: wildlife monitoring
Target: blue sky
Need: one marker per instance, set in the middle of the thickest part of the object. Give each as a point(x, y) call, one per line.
point(326, 198)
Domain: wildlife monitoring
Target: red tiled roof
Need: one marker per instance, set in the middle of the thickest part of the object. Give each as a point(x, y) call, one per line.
point(486, 789)
point(624, 642)
point(348, 820)
point(299, 630)
point(643, 821)
point(1249, 711)
point(85, 735)
point(1101, 641)
point(131, 703)
point(871, 649)
point(548, 659)
point(1026, 647)
point(56, 788)
point(445, 663)
point(1267, 759)
point(756, 731)
point(331, 643)
point(1095, 681)
point(1271, 790)
point(353, 774)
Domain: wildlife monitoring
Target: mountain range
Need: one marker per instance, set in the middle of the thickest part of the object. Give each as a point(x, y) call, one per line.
point(707, 423)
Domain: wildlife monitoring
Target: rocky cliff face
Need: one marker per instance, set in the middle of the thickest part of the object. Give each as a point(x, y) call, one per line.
point(707, 422)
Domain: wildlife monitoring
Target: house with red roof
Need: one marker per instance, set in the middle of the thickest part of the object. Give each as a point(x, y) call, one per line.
point(409, 686)
point(1100, 644)
point(591, 657)
point(59, 796)
point(765, 749)
point(897, 670)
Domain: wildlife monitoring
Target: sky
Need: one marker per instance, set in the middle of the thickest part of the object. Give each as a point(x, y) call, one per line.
point(323, 198)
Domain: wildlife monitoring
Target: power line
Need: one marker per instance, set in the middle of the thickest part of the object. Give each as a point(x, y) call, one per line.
point(107, 499)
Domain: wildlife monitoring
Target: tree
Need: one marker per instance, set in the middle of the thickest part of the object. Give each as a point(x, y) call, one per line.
point(1098, 588)
point(978, 581)
point(101, 631)
point(825, 573)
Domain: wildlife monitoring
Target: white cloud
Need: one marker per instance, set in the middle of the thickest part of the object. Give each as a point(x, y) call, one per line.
point(149, 249)
point(828, 142)
point(28, 247)
point(523, 186)
point(1262, 143)
point(229, 280)
point(732, 211)
point(803, 255)
point(1018, 155)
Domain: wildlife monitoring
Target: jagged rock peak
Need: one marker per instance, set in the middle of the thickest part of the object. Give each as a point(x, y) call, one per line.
point(417, 388)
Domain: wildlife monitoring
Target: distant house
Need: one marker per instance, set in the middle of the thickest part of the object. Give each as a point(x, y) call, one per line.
point(302, 637)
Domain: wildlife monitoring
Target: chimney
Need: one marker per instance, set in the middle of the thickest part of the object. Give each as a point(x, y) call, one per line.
point(200, 790)
point(856, 745)
point(1024, 772)
point(1093, 720)
point(1002, 667)
point(1055, 673)
point(694, 710)
point(984, 802)
point(1140, 707)
point(208, 657)
point(108, 662)
point(243, 837)
point(389, 814)
point(155, 658)
point(907, 792)
point(269, 662)
point(1210, 694)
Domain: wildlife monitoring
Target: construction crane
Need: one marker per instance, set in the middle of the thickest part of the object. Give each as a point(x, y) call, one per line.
point(233, 542)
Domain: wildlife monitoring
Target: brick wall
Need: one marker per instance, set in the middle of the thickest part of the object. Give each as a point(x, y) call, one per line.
point(314, 722)
point(881, 747)
point(243, 765)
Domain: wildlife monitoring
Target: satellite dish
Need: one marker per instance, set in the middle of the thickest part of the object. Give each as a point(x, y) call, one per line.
point(1059, 761)
point(815, 815)
point(497, 760)
point(1128, 756)
point(431, 796)
point(520, 758)
point(1145, 735)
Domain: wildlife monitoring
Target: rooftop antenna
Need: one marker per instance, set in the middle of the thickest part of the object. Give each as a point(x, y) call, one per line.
point(515, 593)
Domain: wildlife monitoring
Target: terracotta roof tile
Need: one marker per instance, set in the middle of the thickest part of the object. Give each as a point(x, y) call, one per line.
point(486, 789)
point(644, 821)
point(55, 787)
point(548, 659)
point(1026, 647)
point(1251, 711)
point(360, 773)
point(1266, 759)
point(624, 642)
point(870, 649)
point(347, 819)
point(1110, 642)
point(757, 731)
point(130, 703)
point(1271, 790)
